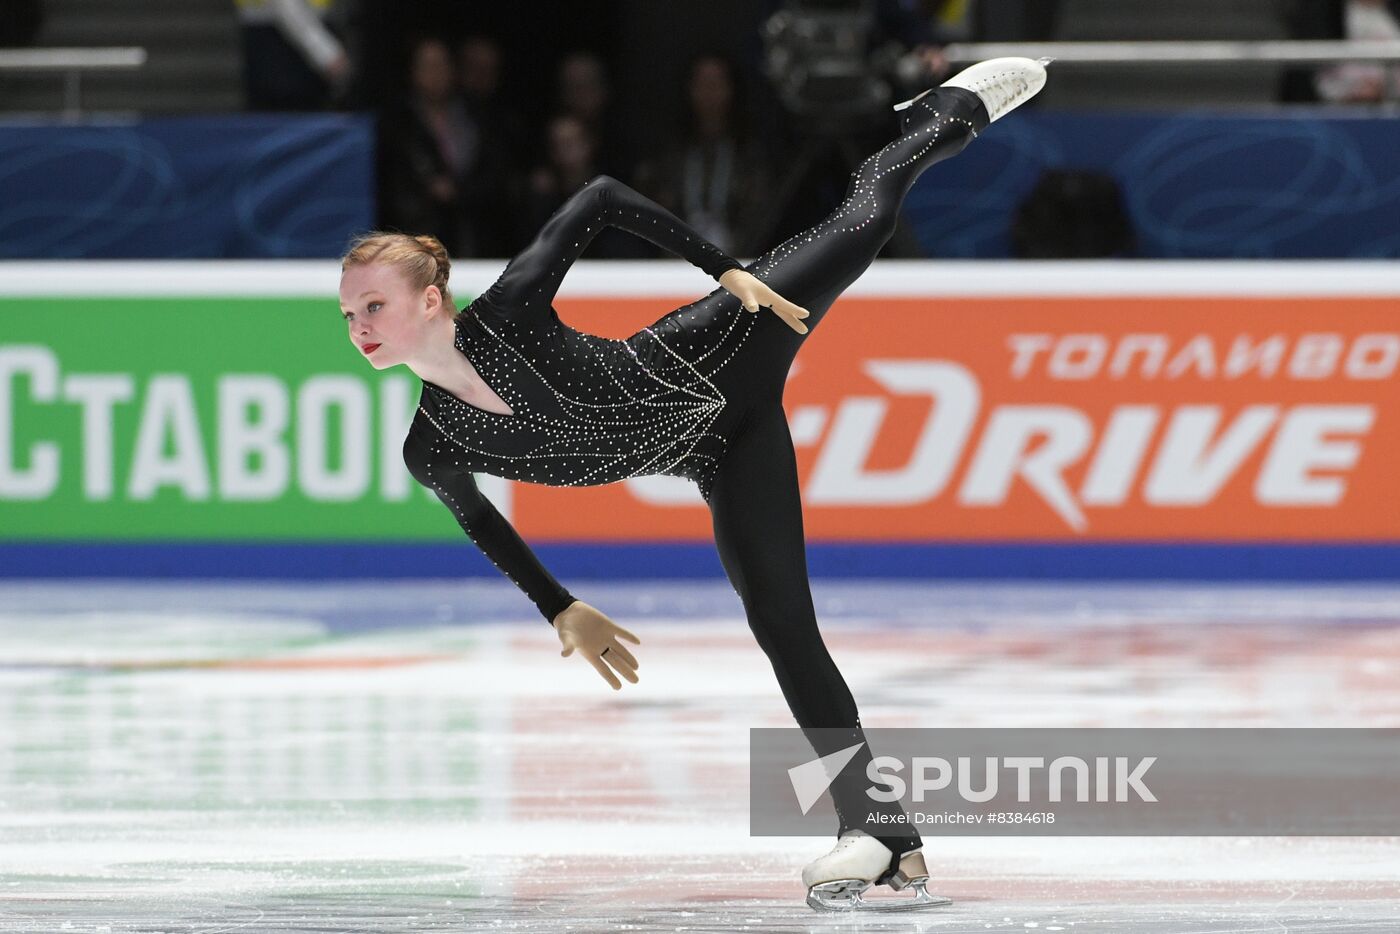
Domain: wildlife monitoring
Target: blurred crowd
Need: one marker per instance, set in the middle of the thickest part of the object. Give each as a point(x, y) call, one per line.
point(458, 159)
point(470, 153)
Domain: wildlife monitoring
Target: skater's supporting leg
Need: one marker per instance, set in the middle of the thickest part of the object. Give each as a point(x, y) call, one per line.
point(757, 514)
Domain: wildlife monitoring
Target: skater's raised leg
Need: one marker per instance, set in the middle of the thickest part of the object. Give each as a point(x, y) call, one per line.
point(814, 267)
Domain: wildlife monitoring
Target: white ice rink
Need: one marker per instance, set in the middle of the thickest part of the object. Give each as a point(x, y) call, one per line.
point(416, 756)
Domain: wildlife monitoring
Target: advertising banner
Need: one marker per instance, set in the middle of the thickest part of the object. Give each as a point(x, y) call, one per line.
point(980, 418)
point(201, 418)
point(938, 403)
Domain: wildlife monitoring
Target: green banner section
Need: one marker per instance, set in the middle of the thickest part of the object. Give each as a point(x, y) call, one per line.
point(201, 418)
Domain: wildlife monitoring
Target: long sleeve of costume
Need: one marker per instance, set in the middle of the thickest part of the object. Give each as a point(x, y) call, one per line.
point(531, 280)
point(490, 531)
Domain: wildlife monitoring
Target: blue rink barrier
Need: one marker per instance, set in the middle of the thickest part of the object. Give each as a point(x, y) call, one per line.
point(1299, 183)
point(688, 560)
point(232, 186)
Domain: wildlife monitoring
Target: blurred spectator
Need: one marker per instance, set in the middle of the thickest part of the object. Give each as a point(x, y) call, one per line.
point(572, 159)
point(479, 70)
point(19, 24)
point(439, 173)
point(292, 59)
point(1364, 82)
point(507, 146)
point(585, 94)
point(1347, 82)
point(1073, 214)
point(715, 175)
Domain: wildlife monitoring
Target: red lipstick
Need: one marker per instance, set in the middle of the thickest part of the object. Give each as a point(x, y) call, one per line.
point(369, 348)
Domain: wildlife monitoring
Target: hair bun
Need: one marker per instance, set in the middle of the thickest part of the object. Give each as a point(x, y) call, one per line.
point(439, 254)
point(421, 259)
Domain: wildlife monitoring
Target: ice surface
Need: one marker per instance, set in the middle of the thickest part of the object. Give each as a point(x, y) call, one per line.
point(412, 756)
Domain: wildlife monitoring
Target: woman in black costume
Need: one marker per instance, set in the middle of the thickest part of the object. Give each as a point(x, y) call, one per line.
point(512, 391)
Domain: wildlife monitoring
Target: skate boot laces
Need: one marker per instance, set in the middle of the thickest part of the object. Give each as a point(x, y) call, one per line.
point(1002, 90)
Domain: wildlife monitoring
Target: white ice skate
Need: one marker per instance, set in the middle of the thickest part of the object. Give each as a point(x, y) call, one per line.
point(837, 881)
point(1003, 84)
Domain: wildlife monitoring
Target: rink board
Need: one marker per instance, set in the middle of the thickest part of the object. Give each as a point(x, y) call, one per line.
point(950, 419)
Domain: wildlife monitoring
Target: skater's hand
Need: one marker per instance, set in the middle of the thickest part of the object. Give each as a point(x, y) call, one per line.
point(754, 292)
point(585, 628)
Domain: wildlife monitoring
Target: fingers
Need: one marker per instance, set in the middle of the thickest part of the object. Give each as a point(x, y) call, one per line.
point(788, 311)
point(627, 635)
point(791, 313)
point(605, 671)
point(620, 659)
point(625, 669)
point(621, 654)
point(790, 317)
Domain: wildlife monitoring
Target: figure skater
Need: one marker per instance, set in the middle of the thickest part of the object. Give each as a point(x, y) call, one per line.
point(512, 391)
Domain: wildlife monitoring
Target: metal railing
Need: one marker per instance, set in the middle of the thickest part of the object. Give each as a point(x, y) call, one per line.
point(73, 64)
point(1182, 53)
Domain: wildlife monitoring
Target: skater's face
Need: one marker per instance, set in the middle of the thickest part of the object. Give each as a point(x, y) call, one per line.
point(388, 320)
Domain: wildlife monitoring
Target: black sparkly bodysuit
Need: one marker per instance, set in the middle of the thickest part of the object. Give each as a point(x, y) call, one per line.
point(589, 410)
point(696, 394)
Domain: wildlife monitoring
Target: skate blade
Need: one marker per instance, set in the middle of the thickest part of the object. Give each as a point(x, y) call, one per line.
point(848, 895)
point(911, 101)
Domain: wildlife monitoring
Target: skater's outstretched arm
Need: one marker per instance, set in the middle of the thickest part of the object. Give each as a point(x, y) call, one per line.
point(530, 280)
point(496, 537)
point(580, 626)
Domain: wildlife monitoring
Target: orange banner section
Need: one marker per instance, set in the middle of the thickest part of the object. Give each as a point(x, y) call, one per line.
point(1165, 419)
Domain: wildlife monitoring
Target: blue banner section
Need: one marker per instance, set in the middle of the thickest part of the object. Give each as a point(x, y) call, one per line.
point(683, 560)
point(234, 186)
point(1298, 185)
point(1197, 185)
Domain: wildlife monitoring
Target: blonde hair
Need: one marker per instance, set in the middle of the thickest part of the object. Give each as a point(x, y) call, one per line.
point(422, 260)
